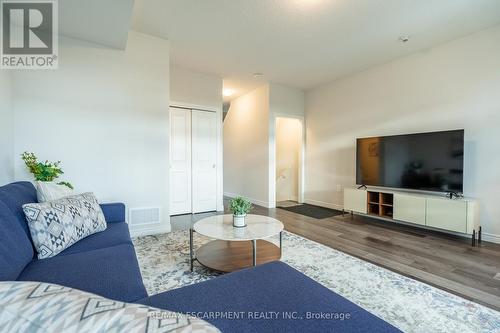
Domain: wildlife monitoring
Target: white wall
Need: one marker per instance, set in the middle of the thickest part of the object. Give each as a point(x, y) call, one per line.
point(288, 135)
point(193, 88)
point(455, 85)
point(202, 91)
point(249, 141)
point(104, 114)
point(6, 129)
point(246, 147)
point(286, 101)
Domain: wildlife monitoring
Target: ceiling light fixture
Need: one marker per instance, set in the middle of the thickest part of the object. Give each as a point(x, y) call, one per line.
point(258, 75)
point(404, 38)
point(227, 92)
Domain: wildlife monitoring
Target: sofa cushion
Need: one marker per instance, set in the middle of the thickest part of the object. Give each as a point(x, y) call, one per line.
point(111, 272)
point(14, 196)
point(41, 307)
point(115, 234)
point(56, 225)
point(289, 300)
point(16, 250)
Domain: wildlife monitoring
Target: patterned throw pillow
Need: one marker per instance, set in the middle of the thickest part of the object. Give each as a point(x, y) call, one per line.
point(56, 225)
point(34, 307)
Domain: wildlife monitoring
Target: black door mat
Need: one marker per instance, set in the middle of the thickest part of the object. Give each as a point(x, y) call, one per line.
point(313, 211)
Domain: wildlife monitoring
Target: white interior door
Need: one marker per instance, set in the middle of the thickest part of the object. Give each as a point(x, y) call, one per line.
point(204, 155)
point(180, 161)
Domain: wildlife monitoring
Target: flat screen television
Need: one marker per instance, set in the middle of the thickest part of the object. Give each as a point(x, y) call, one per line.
point(423, 161)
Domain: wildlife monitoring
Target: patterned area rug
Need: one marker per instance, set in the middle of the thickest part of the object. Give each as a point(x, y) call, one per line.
point(410, 305)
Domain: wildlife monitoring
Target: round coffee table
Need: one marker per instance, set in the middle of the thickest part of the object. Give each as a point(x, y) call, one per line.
point(236, 248)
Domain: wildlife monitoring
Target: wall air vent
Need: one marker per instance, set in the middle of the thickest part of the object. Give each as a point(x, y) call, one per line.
point(142, 216)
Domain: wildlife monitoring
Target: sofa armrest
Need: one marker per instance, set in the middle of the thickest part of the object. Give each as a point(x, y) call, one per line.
point(114, 212)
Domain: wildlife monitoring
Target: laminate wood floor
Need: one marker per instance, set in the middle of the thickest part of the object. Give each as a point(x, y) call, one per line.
point(438, 259)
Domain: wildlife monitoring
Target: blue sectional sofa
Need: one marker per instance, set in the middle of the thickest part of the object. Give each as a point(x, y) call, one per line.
point(268, 298)
point(104, 263)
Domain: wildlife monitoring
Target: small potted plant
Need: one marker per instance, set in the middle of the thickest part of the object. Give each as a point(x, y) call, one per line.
point(43, 171)
point(240, 207)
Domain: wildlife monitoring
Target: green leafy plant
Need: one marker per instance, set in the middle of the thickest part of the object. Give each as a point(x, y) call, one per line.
point(46, 171)
point(240, 206)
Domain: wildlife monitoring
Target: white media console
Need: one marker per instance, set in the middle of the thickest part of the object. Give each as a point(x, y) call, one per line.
point(425, 210)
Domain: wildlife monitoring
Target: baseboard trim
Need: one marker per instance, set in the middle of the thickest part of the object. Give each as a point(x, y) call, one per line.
point(490, 237)
point(324, 204)
point(252, 200)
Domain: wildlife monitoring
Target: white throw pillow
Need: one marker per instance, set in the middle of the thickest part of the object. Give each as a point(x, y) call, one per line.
point(56, 225)
point(50, 191)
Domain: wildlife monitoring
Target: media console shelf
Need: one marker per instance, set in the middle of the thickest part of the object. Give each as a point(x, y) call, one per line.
point(380, 204)
point(424, 210)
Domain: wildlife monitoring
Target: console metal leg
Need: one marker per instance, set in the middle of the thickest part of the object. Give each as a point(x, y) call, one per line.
point(254, 245)
point(191, 248)
point(474, 237)
point(479, 235)
point(352, 215)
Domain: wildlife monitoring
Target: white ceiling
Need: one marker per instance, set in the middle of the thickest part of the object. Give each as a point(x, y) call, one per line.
point(303, 43)
point(104, 22)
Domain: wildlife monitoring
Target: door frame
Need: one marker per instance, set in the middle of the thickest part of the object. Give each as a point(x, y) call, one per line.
point(219, 163)
point(272, 158)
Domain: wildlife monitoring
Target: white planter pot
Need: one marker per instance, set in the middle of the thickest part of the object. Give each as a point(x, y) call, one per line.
point(240, 232)
point(239, 221)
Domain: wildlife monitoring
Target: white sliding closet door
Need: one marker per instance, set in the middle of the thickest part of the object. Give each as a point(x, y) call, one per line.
point(204, 155)
point(180, 161)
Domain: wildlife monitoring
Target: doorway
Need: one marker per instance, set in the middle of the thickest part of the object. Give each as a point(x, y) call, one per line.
point(288, 166)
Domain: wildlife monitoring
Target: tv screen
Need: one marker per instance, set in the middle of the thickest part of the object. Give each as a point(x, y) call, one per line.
point(425, 161)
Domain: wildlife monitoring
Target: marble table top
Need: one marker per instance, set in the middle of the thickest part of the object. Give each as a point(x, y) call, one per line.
point(221, 227)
